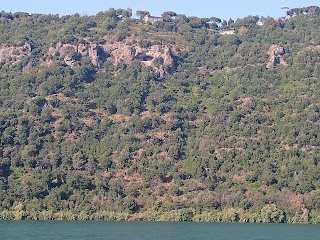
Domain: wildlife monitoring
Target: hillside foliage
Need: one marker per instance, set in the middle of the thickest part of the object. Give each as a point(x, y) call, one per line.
point(215, 136)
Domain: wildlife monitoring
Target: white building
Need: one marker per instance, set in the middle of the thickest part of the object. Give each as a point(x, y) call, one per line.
point(152, 19)
point(227, 31)
point(259, 23)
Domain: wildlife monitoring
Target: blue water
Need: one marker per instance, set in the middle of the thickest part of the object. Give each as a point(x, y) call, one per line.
point(67, 230)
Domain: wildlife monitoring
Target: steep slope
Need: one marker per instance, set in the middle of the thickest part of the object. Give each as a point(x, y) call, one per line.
point(112, 118)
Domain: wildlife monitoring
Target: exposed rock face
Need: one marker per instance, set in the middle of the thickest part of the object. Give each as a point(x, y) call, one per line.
point(14, 54)
point(27, 67)
point(148, 55)
point(168, 60)
point(70, 61)
point(276, 52)
point(124, 54)
point(68, 52)
point(92, 52)
point(118, 52)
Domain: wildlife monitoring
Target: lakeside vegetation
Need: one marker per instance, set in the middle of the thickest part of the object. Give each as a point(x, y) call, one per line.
point(108, 117)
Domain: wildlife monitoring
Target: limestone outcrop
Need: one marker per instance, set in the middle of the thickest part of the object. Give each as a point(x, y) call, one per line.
point(168, 60)
point(14, 54)
point(70, 52)
point(276, 56)
point(125, 54)
point(157, 56)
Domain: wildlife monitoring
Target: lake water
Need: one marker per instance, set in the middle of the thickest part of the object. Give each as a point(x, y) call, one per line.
point(67, 230)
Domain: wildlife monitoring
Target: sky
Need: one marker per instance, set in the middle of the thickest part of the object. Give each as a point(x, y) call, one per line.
point(223, 9)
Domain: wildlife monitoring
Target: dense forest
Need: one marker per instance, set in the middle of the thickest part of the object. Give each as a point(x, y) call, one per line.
point(111, 117)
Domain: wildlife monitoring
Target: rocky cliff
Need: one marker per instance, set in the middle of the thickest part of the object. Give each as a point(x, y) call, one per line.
point(116, 52)
point(276, 56)
point(15, 53)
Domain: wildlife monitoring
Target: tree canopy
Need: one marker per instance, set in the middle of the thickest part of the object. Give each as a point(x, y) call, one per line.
point(108, 117)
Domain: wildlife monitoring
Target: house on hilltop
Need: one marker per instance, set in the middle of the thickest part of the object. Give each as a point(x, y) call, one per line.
point(228, 31)
point(152, 19)
point(260, 23)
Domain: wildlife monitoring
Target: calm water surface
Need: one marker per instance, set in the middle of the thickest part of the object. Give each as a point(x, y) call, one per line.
point(29, 230)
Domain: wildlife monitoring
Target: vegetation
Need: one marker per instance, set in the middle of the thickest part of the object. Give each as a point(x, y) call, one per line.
point(215, 136)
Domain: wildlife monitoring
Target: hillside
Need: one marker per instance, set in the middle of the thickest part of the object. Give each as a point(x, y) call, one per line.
point(185, 119)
